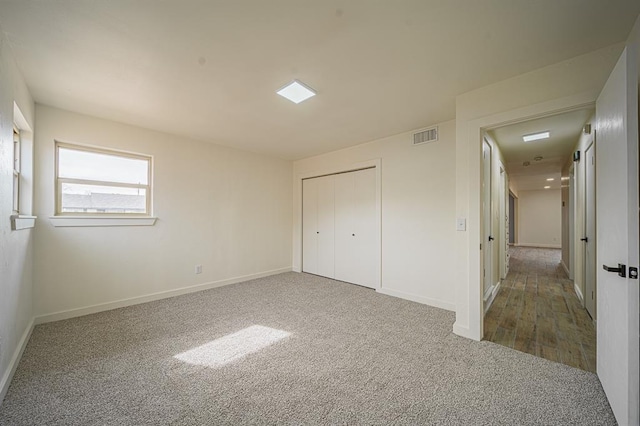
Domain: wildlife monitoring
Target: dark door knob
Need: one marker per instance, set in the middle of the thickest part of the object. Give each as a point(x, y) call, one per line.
point(491, 238)
point(585, 239)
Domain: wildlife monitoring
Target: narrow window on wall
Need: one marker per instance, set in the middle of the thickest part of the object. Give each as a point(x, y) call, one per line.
point(16, 171)
point(100, 182)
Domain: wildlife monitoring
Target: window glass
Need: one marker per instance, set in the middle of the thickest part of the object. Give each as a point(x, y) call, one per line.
point(77, 198)
point(86, 165)
point(93, 181)
point(16, 171)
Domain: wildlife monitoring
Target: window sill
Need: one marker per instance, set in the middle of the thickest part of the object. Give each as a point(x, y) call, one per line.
point(21, 221)
point(74, 221)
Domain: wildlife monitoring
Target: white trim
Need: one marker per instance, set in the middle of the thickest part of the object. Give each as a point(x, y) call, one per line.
point(20, 221)
point(578, 293)
point(564, 266)
point(69, 221)
point(72, 313)
point(424, 300)
point(553, 246)
point(15, 359)
point(468, 152)
point(462, 331)
point(489, 297)
point(487, 294)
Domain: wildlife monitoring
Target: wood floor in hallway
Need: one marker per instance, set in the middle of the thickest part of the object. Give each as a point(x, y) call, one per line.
point(537, 311)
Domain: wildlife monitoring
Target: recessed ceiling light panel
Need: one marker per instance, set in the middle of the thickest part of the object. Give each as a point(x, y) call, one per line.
point(296, 92)
point(535, 136)
point(547, 187)
point(550, 179)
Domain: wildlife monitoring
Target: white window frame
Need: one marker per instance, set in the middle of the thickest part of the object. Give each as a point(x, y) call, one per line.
point(17, 160)
point(98, 150)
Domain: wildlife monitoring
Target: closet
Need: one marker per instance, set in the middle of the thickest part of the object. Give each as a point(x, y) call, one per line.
point(339, 235)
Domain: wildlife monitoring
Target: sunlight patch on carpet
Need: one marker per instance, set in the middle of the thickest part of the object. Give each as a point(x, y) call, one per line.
point(232, 347)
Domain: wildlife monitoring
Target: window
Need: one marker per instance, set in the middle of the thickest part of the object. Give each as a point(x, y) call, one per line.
point(16, 171)
point(99, 182)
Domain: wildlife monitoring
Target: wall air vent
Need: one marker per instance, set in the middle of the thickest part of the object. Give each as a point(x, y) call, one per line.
point(425, 135)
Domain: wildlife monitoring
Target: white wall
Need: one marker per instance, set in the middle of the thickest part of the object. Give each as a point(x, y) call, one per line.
point(568, 84)
point(418, 203)
point(16, 247)
point(225, 209)
point(540, 218)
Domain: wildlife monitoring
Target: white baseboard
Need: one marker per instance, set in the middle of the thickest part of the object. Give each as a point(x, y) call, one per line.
point(72, 313)
point(15, 359)
point(565, 268)
point(414, 298)
point(553, 246)
point(462, 331)
point(579, 293)
point(491, 295)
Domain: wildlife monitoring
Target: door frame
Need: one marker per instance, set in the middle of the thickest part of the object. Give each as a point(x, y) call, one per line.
point(593, 240)
point(297, 223)
point(487, 220)
point(469, 309)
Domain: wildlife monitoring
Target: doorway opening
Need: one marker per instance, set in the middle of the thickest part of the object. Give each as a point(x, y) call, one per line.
point(540, 205)
point(512, 218)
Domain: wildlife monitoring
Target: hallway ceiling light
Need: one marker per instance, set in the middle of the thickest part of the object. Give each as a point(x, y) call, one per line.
point(535, 136)
point(550, 179)
point(296, 92)
point(547, 187)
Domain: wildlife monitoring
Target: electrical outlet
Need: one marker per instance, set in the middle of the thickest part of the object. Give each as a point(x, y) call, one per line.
point(198, 269)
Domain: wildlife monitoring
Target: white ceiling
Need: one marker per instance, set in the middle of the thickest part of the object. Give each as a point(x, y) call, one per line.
point(565, 130)
point(209, 69)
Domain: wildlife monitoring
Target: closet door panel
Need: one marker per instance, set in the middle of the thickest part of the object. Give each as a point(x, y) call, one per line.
point(345, 209)
point(310, 226)
point(365, 242)
point(326, 226)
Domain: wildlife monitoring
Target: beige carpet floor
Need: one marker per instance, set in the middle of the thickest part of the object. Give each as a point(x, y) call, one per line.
point(287, 349)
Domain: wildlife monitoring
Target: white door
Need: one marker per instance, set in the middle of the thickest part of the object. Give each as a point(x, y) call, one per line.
point(504, 221)
point(326, 226)
point(345, 218)
point(365, 237)
point(571, 223)
point(589, 238)
point(486, 219)
point(356, 237)
point(617, 238)
point(318, 226)
point(310, 226)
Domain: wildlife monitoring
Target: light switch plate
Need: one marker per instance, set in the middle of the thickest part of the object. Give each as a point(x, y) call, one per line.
point(461, 224)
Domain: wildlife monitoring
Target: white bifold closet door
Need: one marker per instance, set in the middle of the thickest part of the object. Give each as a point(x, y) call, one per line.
point(318, 226)
point(343, 205)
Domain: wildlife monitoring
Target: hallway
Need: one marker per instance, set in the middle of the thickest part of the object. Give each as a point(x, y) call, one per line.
point(537, 311)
